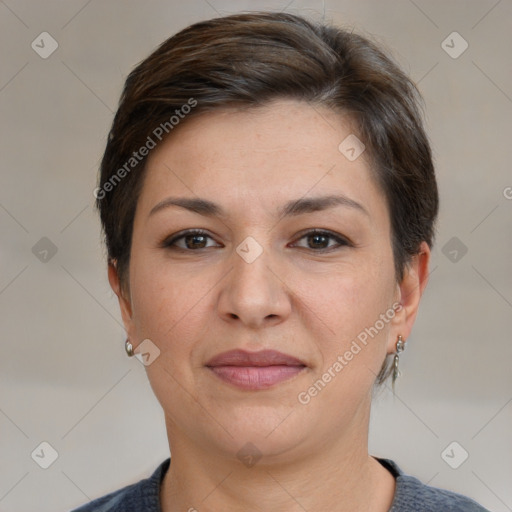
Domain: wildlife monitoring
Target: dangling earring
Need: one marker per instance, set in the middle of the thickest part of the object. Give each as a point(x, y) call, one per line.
point(128, 347)
point(400, 347)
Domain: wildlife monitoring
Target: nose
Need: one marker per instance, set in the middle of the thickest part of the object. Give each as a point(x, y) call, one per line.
point(254, 292)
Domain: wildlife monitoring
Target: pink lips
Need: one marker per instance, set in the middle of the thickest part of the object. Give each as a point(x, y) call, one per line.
point(255, 370)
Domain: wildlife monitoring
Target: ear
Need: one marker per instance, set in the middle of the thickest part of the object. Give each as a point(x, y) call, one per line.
point(409, 293)
point(124, 302)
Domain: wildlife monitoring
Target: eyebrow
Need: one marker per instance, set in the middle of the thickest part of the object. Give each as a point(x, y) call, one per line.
point(291, 208)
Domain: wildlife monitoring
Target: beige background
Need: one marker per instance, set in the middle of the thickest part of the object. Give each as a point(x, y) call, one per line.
point(64, 377)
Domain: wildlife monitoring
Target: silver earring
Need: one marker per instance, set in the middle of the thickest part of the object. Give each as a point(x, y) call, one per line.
point(128, 347)
point(400, 347)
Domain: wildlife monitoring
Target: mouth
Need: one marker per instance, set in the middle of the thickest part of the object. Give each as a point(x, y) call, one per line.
point(255, 370)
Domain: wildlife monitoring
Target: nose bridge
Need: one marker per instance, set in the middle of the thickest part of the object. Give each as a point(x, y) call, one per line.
point(253, 292)
point(251, 274)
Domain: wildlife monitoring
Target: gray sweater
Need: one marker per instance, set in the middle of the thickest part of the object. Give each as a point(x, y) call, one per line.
point(410, 495)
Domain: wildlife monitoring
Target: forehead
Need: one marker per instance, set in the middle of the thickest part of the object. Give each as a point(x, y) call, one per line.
point(261, 158)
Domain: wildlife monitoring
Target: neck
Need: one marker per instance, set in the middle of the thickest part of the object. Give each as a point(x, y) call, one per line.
point(338, 476)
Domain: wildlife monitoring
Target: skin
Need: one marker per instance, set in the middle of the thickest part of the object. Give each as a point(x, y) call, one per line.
point(293, 298)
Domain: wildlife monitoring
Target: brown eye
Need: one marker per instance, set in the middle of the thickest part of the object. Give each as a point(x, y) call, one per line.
point(192, 240)
point(319, 240)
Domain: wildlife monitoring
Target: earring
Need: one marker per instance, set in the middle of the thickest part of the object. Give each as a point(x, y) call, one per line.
point(128, 347)
point(400, 347)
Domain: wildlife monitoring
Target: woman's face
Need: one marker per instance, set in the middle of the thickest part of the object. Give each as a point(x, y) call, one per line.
point(258, 279)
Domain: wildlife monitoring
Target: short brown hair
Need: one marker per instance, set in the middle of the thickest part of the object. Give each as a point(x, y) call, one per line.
point(249, 60)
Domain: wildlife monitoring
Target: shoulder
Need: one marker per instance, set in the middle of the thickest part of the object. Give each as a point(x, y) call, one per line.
point(411, 495)
point(143, 495)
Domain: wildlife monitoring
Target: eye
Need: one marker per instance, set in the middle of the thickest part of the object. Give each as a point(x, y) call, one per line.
point(197, 239)
point(320, 239)
point(193, 240)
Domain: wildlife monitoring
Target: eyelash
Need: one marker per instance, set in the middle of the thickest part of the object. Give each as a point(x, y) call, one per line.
point(170, 242)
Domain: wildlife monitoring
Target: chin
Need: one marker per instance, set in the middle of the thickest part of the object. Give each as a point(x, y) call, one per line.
point(266, 432)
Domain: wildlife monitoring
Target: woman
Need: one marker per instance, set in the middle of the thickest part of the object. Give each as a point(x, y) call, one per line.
point(268, 199)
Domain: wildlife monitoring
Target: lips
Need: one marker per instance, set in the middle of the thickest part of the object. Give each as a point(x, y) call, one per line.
point(255, 370)
point(262, 358)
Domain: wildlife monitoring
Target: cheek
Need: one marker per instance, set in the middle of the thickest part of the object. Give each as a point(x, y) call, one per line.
point(356, 309)
point(169, 309)
point(166, 302)
point(351, 298)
